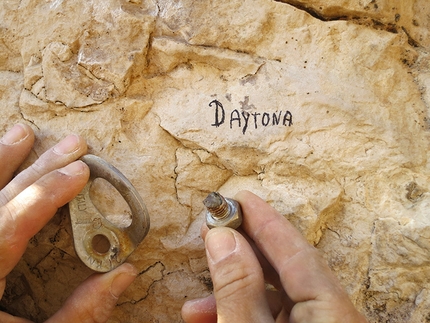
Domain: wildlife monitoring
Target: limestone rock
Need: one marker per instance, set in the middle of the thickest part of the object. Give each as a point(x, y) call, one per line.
point(319, 107)
point(410, 16)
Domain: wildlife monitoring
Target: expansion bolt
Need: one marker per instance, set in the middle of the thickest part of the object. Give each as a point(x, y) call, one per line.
point(222, 212)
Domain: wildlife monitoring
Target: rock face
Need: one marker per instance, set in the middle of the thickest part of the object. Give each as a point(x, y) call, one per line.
point(319, 107)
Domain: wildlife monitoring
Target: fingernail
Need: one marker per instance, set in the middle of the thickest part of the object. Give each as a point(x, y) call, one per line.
point(121, 282)
point(220, 243)
point(73, 169)
point(15, 135)
point(67, 146)
point(205, 308)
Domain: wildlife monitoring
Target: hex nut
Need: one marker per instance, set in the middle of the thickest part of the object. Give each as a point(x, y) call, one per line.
point(232, 217)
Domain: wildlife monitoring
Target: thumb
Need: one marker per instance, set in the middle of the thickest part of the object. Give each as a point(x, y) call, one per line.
point(95, 299)
point(237, 277)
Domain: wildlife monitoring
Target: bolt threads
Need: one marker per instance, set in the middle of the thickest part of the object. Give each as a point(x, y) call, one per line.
point(217, 205)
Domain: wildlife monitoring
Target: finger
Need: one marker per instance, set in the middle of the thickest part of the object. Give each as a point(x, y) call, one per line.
point(276, 302)
point(200, 310)
point(237, 277)
point(7, 318)
point(28, 212)
point(15, 145)
point(203, 310)
point(318, 312)
point(270, 274)
point(66, 151)
point(303, 272)
point(96, 298)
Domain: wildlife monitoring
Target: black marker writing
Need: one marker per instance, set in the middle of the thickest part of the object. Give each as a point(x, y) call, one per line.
point(243, 119)
point(218, 108)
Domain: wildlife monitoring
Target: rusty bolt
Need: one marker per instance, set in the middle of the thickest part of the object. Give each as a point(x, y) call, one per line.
point(222, 212)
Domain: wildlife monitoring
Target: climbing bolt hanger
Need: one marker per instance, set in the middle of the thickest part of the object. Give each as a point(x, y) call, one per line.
point(89, 225)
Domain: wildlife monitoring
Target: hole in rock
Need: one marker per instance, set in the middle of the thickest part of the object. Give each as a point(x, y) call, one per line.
point(110, 203)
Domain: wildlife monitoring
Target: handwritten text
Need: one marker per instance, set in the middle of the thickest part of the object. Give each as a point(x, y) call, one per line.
point(244, 119)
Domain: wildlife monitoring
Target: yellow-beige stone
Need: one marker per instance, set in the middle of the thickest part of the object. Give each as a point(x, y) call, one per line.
point(320, 107)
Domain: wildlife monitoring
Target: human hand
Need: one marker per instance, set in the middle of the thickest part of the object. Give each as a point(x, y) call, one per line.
point(269, 249)
point(27, 203)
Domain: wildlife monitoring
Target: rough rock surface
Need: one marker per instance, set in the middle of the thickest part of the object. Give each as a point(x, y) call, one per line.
point(320, 107)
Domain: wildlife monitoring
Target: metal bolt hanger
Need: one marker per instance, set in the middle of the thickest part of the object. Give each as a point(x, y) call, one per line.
point(90, 226)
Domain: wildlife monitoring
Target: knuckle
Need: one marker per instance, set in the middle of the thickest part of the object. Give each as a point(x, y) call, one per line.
point(37, 168)
point(3, 198)
point(236, 281)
